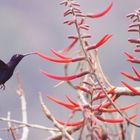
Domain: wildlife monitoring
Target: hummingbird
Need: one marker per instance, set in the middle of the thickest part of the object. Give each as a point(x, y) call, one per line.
point(7, 69)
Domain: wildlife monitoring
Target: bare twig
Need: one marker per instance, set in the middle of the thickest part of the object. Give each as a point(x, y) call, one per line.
point(21, 94)
point(36, 126)
point(10, 126)
point(12, 133)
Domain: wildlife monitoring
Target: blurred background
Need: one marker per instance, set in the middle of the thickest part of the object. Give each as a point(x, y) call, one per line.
point(33, 25)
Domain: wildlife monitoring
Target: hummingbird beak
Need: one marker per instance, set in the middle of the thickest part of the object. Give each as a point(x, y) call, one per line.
point(28, 54)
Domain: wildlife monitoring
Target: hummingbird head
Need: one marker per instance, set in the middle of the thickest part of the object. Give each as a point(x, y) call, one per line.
point(15, 59)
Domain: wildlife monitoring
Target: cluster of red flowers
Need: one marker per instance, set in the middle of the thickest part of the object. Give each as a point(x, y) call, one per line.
point(99, 97)
point(134, 27)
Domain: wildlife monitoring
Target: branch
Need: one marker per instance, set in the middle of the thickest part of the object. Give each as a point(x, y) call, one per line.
point(125, 91)
point(21, 94)
point(50, 117)
point(28, 124)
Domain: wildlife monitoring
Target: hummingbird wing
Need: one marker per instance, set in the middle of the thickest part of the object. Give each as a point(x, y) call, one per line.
point(2, 65)
point(4, 73)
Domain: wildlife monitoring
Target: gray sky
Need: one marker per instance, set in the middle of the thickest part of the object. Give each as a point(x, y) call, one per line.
point(33, 25)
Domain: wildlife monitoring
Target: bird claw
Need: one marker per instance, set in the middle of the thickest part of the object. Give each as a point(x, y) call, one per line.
point(2, 86)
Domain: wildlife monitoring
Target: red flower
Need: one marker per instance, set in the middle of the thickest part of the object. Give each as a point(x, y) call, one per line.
point(58, 60)
point(101, 42)
point(131, 88)
point(115, 120)
point(67, 105)
point(98, 14)
point(70, 46)
point(130, 76)
point(109, 110)
point(65, 78)
point(70, 123)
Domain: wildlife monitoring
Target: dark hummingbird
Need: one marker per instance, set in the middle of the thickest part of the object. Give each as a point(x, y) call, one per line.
point(6, 70)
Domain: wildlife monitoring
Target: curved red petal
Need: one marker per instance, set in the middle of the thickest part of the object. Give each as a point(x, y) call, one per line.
point(72, 101)
point(83, 89)
point(130, 88)
point(128, 55)
point(100, 94)
point(101, 13)
point(70, 46)
point(115, 120)
point(69, 106)
point(70, 123)
point(53, 59)
point(130, 76)
point(110, 110)
point(100, 42)
point(136, 72)
point(64, 78)
point(59, 55)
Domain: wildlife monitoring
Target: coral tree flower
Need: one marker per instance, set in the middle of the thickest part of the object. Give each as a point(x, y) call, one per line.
point(98, 105)
point(98, 15)
point(100, 42)
point(130, 88)
point(119, 120)
point(61, 59)
point(65, 78)
point(77, 123)
point(101, 108)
